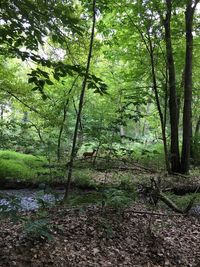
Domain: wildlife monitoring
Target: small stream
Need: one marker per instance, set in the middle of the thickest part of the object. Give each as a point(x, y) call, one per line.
point(28, 199)
point(33, 199)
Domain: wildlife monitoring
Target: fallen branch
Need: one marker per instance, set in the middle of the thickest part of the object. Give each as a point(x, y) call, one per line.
point(170, 203)
point(119, 168)
point(156, 192)
point(185, 189)
point(154, 213)
point(179, 174)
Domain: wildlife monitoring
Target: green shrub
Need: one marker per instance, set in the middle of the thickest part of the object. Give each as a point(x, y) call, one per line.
point(118, 199)
point(5, 208)
point(126, 184)
point(83, 179)
point(106, 227)
point(150, 154)
point(38, 228)
point(12, 169)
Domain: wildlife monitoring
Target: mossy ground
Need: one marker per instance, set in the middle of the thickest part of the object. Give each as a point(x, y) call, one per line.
point(18, 166)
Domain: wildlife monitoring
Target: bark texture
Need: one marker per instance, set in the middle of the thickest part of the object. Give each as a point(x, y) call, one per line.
point(187, 109)
point(173, 105)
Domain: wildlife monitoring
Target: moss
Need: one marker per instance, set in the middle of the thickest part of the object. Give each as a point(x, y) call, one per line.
point(14, 165)
point(182, 201)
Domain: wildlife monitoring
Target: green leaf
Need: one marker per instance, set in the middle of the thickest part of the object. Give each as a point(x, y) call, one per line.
point(49, 82)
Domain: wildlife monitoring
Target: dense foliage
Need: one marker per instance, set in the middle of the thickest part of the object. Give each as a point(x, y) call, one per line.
point(141, 97)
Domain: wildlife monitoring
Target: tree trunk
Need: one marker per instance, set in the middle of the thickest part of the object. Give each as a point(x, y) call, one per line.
point(155, 88)
point(173, 105)
point(187, 109)
point(61, 130)
point(63, 120)
point(70, 164)
point(197, 128)
point(2, 111)
point(122, 132)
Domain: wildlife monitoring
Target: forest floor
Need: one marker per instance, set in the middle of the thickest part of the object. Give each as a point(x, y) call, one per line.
point(98, 235)
point(139, 236)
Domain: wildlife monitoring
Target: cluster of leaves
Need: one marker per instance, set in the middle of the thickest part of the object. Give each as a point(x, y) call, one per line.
point(39, 227)
point(26, 23)
point(16, 135)
point(40, 77)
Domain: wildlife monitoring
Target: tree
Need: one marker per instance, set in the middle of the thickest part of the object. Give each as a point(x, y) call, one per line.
point(173, 103)
point(156, 23)
point(187, 110)
point(70, 164)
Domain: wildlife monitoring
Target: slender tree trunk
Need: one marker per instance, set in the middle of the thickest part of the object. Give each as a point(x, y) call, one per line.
point(195, 138)
point(155, 88)
point(197, 128)
point(187, 109)
point(61, 130)
point(2, 111)
point(145, 121)
point(165, 86)
point(122, 132)
point(80, 123)
point(173, 105)
point(64, 119)
point(70, 164)
point(38, 132)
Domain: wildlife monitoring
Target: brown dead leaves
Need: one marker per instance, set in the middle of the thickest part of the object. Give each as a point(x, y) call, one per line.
point(92, 238)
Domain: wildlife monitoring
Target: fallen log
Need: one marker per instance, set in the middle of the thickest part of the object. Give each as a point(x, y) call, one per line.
point(174, 207)
point(157, 194)
point(185, 189)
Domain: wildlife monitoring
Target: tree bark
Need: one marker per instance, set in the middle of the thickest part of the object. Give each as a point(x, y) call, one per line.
point(61, 130)
point(187, 109)
point(197, 128)
point(70, 164)
point(2, 111)
point(173, 105)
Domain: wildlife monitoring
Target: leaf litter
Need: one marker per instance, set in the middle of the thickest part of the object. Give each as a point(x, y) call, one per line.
point(95, 237)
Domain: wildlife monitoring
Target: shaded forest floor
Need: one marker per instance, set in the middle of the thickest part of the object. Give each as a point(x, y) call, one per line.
point(96, 234)
point(96, 237)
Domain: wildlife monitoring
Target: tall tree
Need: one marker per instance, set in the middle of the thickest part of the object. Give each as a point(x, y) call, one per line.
point(187, 110)
point(173, 105)
point(85, 80)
